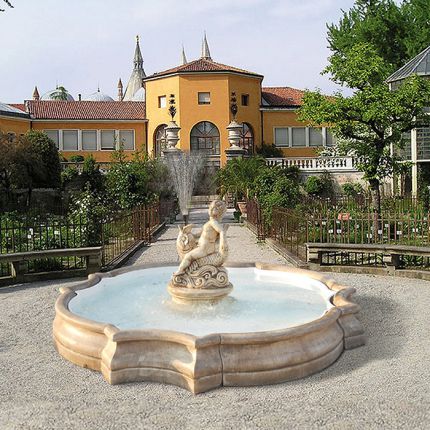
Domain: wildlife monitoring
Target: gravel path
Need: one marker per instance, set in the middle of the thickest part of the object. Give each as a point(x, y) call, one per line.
point(382, 385)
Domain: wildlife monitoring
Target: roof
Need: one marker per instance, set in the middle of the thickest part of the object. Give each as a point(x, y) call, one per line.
point(286, 97)
point(12, 110)
point(202, 65)
point(86, 110)
point(419, 65)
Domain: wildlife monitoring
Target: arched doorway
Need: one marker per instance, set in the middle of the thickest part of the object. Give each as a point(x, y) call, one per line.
point(204, 137)
point(247, 138)
point(160, 140)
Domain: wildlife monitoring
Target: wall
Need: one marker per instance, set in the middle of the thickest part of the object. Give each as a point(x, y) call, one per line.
point(284, 118)
point(251, 113)
point(14, 125)
point(155, 115)
point(189, 112)
point(101, 155)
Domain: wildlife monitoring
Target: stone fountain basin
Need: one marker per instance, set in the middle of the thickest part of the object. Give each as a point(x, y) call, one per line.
point(204, 362)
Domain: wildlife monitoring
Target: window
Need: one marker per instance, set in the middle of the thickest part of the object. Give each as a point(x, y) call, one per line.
point(53, 135)
point(162, 102)
point(281, 136)
point(405, 152)
point(315, 137)
point(160, 140)
point(247, 138)
point(126, 139)
point(204, 98)
point(245, 99)
point(89, 140)
point(70, 140)
point(330, 140)
point(298, 136)
point(107, 139)
point(204, 137)
point(423, 143)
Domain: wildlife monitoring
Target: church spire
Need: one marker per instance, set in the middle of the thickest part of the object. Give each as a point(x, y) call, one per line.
point(184, 58)
point(135, 82)
point(36, 94)
point(120, 95)
point(205, 49)
point(138, 59)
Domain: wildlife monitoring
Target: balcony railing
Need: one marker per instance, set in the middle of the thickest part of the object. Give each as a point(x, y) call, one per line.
point(315, 164)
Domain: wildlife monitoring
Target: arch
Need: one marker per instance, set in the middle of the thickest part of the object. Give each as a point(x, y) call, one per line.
point(247, 138)
point(160, 140)
point(204, 137)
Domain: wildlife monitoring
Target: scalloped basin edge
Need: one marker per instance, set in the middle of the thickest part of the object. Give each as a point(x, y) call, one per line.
point(202, 363)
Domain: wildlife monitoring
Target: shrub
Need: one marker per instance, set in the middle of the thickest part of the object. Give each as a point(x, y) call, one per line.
point(320, 186)
point(76, 159)
point(314, 186)
point(269, 151)
point(274, 188)
point(351, 189)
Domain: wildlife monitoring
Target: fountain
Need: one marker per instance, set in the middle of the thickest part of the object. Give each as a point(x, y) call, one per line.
point(200, 276)
point(184, 169)
point(278, 323)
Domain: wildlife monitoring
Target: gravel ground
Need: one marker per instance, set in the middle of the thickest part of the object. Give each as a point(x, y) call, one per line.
point(384, 384)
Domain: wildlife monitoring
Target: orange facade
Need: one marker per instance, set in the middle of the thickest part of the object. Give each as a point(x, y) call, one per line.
point(102, 155)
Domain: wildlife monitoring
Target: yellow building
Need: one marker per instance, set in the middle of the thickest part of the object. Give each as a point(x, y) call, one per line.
point(202, 90)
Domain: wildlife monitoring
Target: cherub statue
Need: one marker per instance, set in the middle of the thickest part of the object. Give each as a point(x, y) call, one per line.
point(213, 233)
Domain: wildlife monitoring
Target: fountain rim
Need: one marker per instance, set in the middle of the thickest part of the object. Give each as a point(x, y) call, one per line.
point(340, 301)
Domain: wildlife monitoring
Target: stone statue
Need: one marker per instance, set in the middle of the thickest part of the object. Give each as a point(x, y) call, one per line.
point(202, 255)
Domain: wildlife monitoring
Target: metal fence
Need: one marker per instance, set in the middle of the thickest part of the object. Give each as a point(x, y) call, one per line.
point(117, 234)
point(254, 219)
point(293, 228)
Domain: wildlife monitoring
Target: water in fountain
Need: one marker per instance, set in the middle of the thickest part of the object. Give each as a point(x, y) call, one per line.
point(184, 169)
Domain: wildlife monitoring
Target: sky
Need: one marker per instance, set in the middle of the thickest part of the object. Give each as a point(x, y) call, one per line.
point(81, 44)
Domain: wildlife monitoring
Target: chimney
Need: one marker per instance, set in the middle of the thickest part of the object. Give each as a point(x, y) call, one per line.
point(79, 97)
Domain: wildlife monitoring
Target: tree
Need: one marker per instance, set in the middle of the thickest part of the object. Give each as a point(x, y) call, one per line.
point(20, 164)
point(397, 32)
point(41, 144)
point(60, 93)
point(8, 3)
point(373, 118)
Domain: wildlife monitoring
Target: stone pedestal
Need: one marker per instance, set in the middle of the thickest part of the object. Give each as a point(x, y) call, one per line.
point(172, 137)
point(234, 131)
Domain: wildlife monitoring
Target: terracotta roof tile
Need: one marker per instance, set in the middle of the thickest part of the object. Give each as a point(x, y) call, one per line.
point(86, 110)
point(202, 65)
point(282, 96)
point(20, 106)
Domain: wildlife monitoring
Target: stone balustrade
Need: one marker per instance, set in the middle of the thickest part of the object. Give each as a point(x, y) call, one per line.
point(315, 164)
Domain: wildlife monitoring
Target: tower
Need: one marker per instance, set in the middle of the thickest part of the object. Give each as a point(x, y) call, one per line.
point(206, 54)
point(36, 94)
point(120, 94)
point(184, 57)
point(138, 74)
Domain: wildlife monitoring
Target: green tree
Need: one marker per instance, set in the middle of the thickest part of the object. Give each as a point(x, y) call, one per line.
point(20, 164)
point(373, 118)
point(48, 152)
point(60, 93)
point(396, 31)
